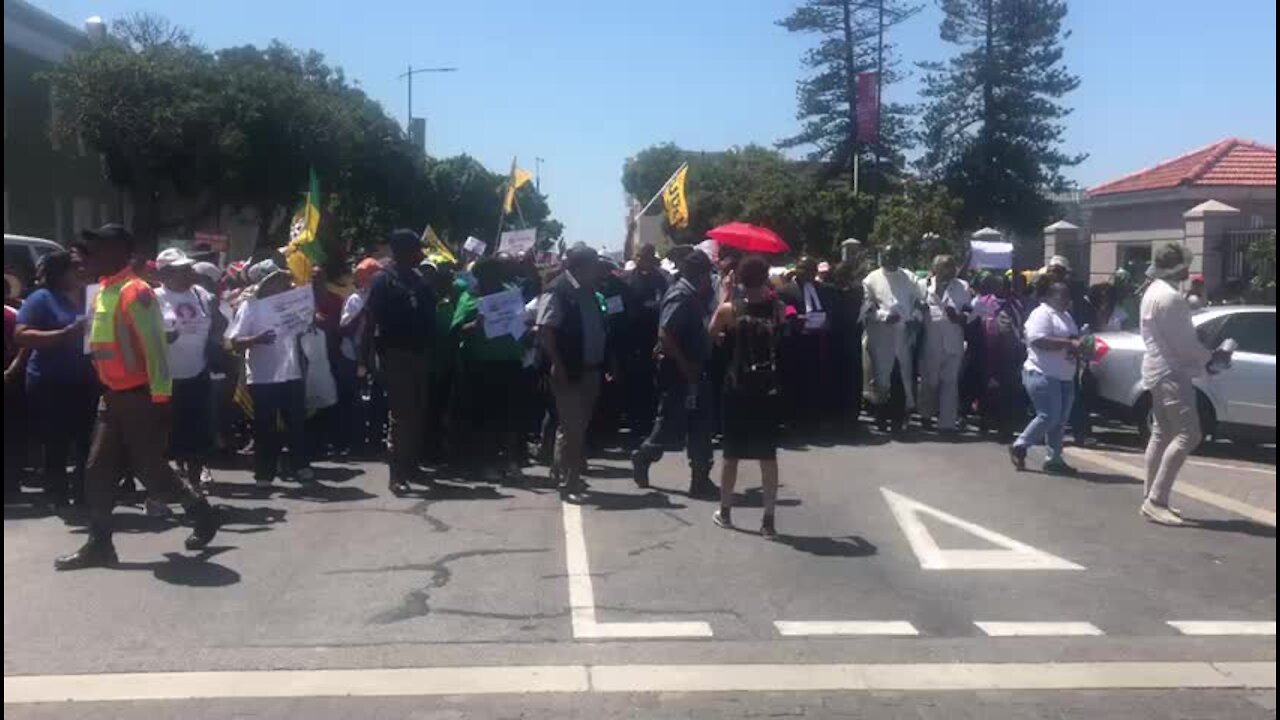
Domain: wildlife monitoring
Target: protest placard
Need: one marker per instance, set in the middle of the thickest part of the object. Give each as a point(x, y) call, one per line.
point(503, 314)
point(517, 242)
point(474, 245)
point(287, 314)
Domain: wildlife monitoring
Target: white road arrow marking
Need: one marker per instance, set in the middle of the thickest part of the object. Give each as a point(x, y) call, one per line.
point(1014, 556)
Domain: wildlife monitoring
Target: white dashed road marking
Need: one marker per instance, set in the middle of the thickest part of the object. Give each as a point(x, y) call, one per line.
point(1224, 627)
point(1038, 629)
point(844, 627)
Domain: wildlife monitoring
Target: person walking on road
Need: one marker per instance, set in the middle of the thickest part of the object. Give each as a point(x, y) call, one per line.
point(892, 298)
point(571, 337)
point(684, 411)
point(1049, 378)
point(128, 347)
point(749, 326)
point(1174, 356)
point(402, 306)
point(948, 306)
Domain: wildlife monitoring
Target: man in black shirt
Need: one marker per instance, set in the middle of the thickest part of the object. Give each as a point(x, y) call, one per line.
point(684, 411)
point(402, 307)
point(648, 285)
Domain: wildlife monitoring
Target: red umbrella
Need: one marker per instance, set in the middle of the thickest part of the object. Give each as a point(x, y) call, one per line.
point(748, 238)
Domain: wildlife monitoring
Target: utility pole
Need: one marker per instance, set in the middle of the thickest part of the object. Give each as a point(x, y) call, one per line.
point(879, 186)
point(537, 173)
point(408, 75)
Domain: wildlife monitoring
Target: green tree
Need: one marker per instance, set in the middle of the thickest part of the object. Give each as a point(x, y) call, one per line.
point(851, 42)
point(1262, 261)
point(993, 122)
point(921, 220)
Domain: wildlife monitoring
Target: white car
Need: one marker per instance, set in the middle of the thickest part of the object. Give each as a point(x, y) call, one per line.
point(22, 254)
point(1238, 403)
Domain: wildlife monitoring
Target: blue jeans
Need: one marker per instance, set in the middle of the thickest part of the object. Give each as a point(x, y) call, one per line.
point(677, 424)
point(1052, 399)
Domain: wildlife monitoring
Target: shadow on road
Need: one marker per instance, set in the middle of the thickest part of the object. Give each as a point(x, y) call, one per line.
point(851, 546)
point(1243, 527)
point(621, 501)
point(188, 570)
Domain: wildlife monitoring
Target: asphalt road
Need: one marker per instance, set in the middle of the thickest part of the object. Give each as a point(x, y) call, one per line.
point(910, 580)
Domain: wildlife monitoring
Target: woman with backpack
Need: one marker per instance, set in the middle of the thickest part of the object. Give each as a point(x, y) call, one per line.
point(748, 327)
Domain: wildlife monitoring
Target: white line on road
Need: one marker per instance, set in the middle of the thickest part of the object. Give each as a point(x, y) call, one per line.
point(1195, 492)
point(1232, 466)
point(1014, 555)
point(26, 689)
point(1038, 629)
point(1224, 627)
point(845, 627)
point(582, 597)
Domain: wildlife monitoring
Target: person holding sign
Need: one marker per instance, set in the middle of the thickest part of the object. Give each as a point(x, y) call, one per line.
point(129, 355)
point(402, 308)
point(489, 377)
point(273, 373)
point(189, 312)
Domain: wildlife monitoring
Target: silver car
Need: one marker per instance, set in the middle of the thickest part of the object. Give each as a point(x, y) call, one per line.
point(1238, 403)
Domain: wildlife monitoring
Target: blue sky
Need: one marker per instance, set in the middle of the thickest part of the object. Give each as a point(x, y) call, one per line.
point(586, 83)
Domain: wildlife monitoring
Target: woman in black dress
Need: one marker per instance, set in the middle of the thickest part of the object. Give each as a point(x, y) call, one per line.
point(748, 328)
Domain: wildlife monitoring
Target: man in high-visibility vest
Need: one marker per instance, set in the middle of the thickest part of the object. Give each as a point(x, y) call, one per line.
point(126, 339)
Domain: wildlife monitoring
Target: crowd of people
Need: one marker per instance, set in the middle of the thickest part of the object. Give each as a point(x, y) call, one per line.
point(174, 366)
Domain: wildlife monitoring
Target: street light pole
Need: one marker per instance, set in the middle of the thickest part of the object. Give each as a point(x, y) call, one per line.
point(408, 75)
point(537, 173)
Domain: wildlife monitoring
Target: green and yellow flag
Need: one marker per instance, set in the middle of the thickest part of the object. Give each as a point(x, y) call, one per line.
point(674, 200)
point(437, 251)
point(519, 176)
point(304, 250)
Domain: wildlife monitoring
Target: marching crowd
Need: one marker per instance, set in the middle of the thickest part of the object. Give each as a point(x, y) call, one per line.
point(174, 365)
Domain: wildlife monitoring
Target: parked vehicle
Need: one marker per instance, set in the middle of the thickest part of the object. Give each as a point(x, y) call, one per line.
point(22, 253)
point(1237, 404)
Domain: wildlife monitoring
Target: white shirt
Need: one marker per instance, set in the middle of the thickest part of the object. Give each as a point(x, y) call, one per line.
point(893, 291)
point(941, 332)
point(1173, 348)
point(275, 362)
point(1045, 322)
point(187, 312)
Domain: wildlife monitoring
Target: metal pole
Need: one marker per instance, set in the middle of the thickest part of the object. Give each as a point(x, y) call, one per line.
point(408, 117)
point(659, 193)
point(537, 173)
point(879, 101)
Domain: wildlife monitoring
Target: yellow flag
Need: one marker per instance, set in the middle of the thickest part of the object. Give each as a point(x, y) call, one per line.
point(673, 199)
point(437, 251)
point(519, 176)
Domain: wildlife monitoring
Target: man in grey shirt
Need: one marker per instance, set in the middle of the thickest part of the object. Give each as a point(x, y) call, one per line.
point(684, 412)
point(571, 337)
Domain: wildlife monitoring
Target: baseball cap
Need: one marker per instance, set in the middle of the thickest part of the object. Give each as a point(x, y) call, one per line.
point(1059, 261)
point(207, 270)
point(173, 258)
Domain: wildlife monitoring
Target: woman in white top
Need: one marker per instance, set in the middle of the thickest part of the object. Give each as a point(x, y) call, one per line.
point(1049, 376)
point(188, 312)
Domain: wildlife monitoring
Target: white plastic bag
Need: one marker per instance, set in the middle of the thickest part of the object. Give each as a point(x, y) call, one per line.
point(322, 391)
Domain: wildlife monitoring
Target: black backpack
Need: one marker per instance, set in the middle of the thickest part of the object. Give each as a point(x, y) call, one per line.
point(753, 368)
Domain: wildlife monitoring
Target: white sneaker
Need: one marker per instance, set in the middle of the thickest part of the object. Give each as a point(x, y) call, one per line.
point(1159, 514)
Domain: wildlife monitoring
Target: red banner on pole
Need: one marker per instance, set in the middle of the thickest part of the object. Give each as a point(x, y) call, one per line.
point(868, 107)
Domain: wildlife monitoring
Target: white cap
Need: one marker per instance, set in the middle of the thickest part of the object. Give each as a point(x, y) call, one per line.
point(173, 257)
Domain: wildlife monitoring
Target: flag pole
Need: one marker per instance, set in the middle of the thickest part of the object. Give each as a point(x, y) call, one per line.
point(660, 190)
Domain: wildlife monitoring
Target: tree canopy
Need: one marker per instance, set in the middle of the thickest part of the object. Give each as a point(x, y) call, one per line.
point(184, 130)
point(993, 118)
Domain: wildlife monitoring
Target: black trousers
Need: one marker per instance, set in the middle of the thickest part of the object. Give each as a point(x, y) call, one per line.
point(276, 405)
point(678, 424)
point(64, 415)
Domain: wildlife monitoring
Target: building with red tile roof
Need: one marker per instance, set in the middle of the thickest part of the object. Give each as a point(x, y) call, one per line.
point(1214, 199)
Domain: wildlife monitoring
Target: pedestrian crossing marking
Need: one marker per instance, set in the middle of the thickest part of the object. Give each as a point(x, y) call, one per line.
point(1224, 627)
point(1038, 629)
point(1015, 555)
point(792, 628)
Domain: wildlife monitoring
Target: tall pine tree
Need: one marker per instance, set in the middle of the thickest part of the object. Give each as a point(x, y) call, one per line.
point(993, 119)
point(852, 41)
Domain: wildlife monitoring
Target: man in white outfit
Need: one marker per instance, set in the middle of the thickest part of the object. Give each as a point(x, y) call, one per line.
point(892, 297)
point(1174, 355)
point(947, 307)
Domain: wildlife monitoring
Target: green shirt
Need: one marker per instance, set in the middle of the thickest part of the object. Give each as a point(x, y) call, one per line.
point(475, 346)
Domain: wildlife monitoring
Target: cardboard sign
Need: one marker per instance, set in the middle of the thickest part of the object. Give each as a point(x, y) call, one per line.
point(475, 245)
point(289, 313)
point(503, 314)
point(517, 242)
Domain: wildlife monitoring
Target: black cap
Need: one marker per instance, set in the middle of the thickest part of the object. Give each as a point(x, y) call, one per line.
point(403, 239)
point(111, 232)
point(580, 255)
